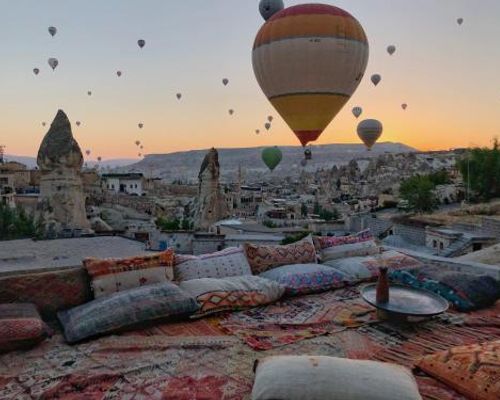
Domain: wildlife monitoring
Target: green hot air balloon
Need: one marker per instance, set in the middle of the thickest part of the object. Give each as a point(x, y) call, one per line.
point(272, 157)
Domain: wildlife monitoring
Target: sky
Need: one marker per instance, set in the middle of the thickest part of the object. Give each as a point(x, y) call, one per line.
point(447, 74)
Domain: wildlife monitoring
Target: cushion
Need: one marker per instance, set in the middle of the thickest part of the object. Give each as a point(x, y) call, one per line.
point(466, 292)
point(470, 370)
point(367, 268)
point(262, 258)
point(20, 327)
point(366, 248)
point(48, 291)
point(222, 264)
point(330, 378)
point(235, 293)
point(114, 275)
point(125, 309)
point(301, 279)
point(325, 242)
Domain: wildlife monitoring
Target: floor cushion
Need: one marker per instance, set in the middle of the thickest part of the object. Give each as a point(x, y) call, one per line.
point(330, 378)
point(358, 269)
point(471, 370)
point(466, 292)
point(20, 327)
point(114, 274)
point(366, 248)
point(234, 293)
point(325, 242)
point(222, 264)
point(263, 257)
point(126, 309)
point(299, 279)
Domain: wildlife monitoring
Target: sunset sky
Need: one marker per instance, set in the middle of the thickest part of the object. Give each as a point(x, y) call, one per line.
point(448, 74)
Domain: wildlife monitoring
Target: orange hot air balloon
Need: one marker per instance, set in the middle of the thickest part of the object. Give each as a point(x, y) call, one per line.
point(309, 60)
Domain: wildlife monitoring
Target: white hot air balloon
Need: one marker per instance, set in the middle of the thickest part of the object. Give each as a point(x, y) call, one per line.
point(179, 96)
point(225, 81)
point(141, 43)
point(391, 50)
point(36, 71)
point(52, 30)
point(460, 21)
point(376, 78)
point(404, 106)
point(267, 125)
point(268, 8)
point(357, 111)
point(369, 131)
point(53, 62)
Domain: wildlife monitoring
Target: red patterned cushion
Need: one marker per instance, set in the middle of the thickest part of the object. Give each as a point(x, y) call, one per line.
point(325, 242)
point(20, 326)
point(114, 275)
point(471, 370)
point(262, 258)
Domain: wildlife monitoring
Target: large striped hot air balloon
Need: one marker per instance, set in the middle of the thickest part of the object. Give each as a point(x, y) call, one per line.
point(309, 59)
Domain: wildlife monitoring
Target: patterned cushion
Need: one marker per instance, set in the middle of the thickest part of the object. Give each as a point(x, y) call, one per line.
point(331, 378)
point(49, 291)
point(222, 264)
point(471, 370)
point(466, 292)
point(235, 293)
point(325, 242)
point(262, 258)
point(367, 268)
point(366, 248)
point(125, 309)
point(114, 275)
point(20, 327)
point(306, 278)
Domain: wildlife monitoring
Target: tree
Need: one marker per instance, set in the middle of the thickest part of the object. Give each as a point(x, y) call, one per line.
point(17, 224)
point(440, 178)
point(480, 169)
point(419, 192)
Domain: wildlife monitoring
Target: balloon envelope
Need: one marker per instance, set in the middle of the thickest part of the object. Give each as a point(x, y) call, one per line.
point(308, 92)
point(404, 106)
point(99, 159)
point(87, 152)
point(369, 131)
point(270, 118)
point(267, 126)
point(78, 123)
point(119, 73)
point(137, 142)
point(141, 43)
point(268, 8)
point(257, 131)
point(179, 96)
point(225, 81)
point(53, 63)
point(89, 93)
point(357, 111)
point(391, 50)
point(44, 123)
point(36, 71)
point(52, 30)
point(140, 125)
point(376, 78)
point(231, 112)
point(272, 157)
point(460, 21)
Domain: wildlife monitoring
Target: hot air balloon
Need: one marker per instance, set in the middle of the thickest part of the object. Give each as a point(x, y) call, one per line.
point(139, 154)
point(270, 118)
point(89, 93)
point(87, 152)
point(460, 21)
point(404, 106)
point(119, 73)
point(308, 92)
point(231, 112)
point(137, 142)
point(141, 43)
point(376, 78)
point(267, 125)
point(369, 131)
point(225, 81)
point(140, 125)
point(272, 157)
point(52, 30)
point(36, 71)
point(308, 154)
point(44, 123)
point(53, 63)
point(357, 111)
point(141, 147)
point(268, 8)
point(257, 131)
point(99, 159)
point(179, 96)
point(391, 50)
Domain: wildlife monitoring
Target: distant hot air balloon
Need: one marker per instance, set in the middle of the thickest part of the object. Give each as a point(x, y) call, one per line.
point(404, 106)
point(257, 131)
point(272, 157)
point(44, 123)
point(141, 43)
point(87, 152)
point(369, 131)
point(357, 111)
point(119, 73)
point(391, 50)
point(53, 63)
point(137, 142)
point(36, 71)
point(308, 92)
point(99, 159)
point(225, 81)
point(270, 118)
point(89, 93)
point(376, 78)
point(460, 21)
point(140, 125)
point(141, 147)
point(139, 154)
point(179, 96)
point(308, 154)
point(231, 112)
point(78, 123)
point(52, 30)
point(267, 125)
point(268, 8)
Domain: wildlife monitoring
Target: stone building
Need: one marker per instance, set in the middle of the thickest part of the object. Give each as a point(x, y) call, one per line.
point(211, 205)
point(61, 200)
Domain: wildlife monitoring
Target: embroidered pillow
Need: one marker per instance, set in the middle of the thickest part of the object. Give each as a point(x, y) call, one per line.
point(302, 279)
point(470, 370)
point(262, 258)
point(115, 275)
point(20, 327)
point(361, 249)
point(126, 309)
point(235, 293)
point(222, 264)
point(325, 242)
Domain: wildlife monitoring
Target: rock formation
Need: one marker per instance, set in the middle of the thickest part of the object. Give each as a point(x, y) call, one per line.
point(61, 202)
point(211, 204)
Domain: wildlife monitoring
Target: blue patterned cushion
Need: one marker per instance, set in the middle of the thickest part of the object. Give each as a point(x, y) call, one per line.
point(125, 309)
point(306, 278)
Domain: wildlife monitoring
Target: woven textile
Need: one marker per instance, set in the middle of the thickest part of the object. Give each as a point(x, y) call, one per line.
point(20, 326)
point(262, 258)
point(366, 248)
point(324, 242)
point(49, 291)
point(114, 275)
point(125, 309)
point(300, 279)
point(472, 370)
point(235, 293)
point(222, 264)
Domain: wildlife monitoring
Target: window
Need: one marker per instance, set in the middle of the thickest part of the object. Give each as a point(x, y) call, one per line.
point(434, 243)
point(441, 245)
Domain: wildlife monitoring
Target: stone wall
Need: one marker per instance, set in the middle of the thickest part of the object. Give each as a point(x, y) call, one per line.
point(412, 234)
point(377, 226)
